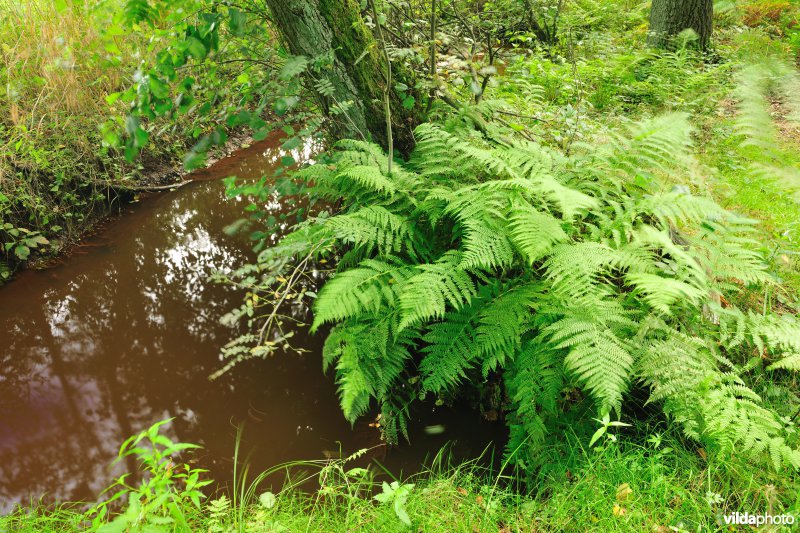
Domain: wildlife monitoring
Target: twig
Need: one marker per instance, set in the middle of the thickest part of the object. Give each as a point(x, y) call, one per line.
point(520, 115)
point(140, 188)
point(523, 132)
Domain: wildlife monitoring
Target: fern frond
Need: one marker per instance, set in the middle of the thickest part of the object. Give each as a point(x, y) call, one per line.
point(596, 355)
point(661, 292)
point(369, 178)
point(449, 349)
point(534, 382)
point(376, 228)
point(373, 286)
point(502, 325)
point(432, 288)
point(533, 233)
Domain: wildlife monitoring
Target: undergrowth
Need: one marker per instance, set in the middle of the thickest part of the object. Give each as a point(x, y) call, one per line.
point(58, 66)
point(651, 481)
point(584, 250)
point(475, 259)
point(66, 69)
point(587, 254)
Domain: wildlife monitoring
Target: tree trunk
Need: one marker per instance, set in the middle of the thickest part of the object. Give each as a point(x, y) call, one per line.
point(357, 73)
point(668, 18)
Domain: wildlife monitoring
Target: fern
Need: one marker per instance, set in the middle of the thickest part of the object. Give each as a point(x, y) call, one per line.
point(597, 270)
point(358, 291)
point(789, 362)
point(600, 358)
point(449, 350)
point(532, 232)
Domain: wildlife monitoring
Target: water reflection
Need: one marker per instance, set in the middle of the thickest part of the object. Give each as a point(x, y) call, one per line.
point(126, 332)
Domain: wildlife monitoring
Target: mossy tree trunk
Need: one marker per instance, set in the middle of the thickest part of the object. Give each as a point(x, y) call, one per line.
point(668, 18)
point(357, 72)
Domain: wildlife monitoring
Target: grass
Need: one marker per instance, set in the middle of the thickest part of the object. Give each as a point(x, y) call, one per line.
point(660, 484)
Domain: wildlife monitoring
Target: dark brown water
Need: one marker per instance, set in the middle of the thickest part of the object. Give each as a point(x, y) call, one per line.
point(125, 332)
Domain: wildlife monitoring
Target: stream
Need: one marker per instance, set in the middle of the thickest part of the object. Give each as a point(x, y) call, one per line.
point(125, 331)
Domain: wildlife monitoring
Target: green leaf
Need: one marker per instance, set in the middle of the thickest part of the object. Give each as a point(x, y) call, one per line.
point(597, 434)
point(22, 252)
point(284, 104)
point(234, 227)
point(281, 106)
point(140, 138)
point(219, 137)
point(237, 21)
point(194, 160)
point(131, 125)
point(294, 66)
point(158, 88)
point(400, 511)
point(196, 48)
point(112, 48)
point(267, 499)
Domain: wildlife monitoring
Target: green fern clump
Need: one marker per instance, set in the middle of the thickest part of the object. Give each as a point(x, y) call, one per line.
point(473, 259)
point(763, 88)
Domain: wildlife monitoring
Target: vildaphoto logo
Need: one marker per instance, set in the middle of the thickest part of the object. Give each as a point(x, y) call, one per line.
point(745, 519)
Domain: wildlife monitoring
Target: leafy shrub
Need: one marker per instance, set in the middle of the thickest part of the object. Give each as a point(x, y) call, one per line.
point(591, 271)
point(162, 499)
point(21, 241)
